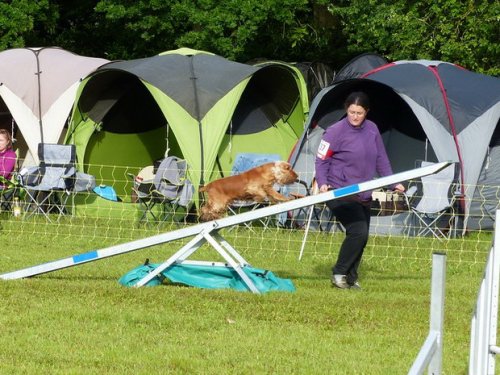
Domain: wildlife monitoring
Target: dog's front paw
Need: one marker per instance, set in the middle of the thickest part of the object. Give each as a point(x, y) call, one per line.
point(210, 216)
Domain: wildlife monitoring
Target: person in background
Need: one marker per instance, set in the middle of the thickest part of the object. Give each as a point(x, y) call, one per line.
point(7, 155)
point(351, 151)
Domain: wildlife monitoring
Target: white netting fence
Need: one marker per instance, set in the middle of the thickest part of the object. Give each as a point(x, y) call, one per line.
point(96, 218)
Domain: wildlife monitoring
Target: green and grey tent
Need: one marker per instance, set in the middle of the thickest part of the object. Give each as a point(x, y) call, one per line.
point(191, 104)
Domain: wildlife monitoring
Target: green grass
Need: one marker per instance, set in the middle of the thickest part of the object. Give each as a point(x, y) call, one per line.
point(82, 321)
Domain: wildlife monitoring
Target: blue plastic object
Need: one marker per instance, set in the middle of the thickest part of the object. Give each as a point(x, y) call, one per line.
point(106, 192)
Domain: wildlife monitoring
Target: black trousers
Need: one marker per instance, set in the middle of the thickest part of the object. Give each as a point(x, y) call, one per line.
point(355, 217)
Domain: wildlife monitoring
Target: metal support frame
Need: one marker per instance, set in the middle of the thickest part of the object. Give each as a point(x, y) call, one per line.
point(54, 200)
point(203, 231)
point(210, 235)
point(431, 352)
point(483, 347)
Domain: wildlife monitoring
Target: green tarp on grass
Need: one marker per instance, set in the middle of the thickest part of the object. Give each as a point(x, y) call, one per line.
point(210, 277)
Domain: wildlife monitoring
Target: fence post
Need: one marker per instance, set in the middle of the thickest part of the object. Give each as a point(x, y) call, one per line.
point(485, 318)
point(431, 353)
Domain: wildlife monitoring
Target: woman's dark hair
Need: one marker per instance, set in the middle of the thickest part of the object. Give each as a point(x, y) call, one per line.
point(357, 98)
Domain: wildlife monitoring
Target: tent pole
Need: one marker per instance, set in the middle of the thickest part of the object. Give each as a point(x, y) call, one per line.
point(309, 219)
point(38, 73)
point(306, 232)
point(197, 110)
point(167, 149)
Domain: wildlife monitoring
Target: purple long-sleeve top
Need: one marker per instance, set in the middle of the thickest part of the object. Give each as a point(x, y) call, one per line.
point(7, 163)
point(349, 155)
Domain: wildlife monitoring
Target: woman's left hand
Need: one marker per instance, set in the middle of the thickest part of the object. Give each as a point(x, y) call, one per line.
point(400, 188)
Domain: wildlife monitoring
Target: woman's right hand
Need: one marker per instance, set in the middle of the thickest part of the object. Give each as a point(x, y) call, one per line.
point(324, 188)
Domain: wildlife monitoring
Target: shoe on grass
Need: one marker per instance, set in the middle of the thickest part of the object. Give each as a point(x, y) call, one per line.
point(340, 281)
point(355, 286)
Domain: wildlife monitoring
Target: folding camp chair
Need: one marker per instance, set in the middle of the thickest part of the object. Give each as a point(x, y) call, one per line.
point(142, 192)
point(49, 185)
point(172, 187)
point(243, 162)
point(168, 187)
point(433, 202)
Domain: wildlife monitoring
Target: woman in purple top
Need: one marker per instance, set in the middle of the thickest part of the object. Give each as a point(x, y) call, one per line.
point(351, 151)
point(7, 155)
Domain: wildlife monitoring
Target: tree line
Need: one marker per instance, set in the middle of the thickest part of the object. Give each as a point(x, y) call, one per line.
point(465, 32)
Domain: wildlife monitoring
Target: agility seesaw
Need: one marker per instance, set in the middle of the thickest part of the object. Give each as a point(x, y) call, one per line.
point(208, 232)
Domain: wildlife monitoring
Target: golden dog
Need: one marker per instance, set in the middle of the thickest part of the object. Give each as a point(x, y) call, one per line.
point(255, 184)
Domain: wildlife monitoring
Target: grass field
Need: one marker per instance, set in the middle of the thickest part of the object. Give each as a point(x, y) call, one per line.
point(82, 321)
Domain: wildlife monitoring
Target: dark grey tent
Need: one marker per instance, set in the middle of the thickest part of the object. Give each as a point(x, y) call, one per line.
point(428, 110)
point(359, 65)
point(317, 75)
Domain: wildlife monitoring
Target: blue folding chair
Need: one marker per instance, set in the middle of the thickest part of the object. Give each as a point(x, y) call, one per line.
point(49, 185)
point(242, 163)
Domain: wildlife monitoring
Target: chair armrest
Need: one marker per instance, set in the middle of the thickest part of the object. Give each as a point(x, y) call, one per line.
point(84, 182)
point(168, 182)
point(409, 194)
point(28, 176)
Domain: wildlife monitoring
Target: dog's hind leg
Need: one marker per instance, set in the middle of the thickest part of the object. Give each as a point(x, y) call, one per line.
point(212, 211)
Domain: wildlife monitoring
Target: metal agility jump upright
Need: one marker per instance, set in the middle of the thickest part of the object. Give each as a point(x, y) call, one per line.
point(208, 232)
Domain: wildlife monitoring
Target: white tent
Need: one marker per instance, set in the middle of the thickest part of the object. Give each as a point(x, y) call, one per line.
point(37, 90)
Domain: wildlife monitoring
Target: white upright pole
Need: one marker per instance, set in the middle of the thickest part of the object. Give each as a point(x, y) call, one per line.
point(430, 355)
point(483, 348)
point(437, 310)
point(308, 224)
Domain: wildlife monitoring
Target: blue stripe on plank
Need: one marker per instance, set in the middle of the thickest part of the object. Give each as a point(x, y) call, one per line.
point(346, 191)
point(85, 257)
